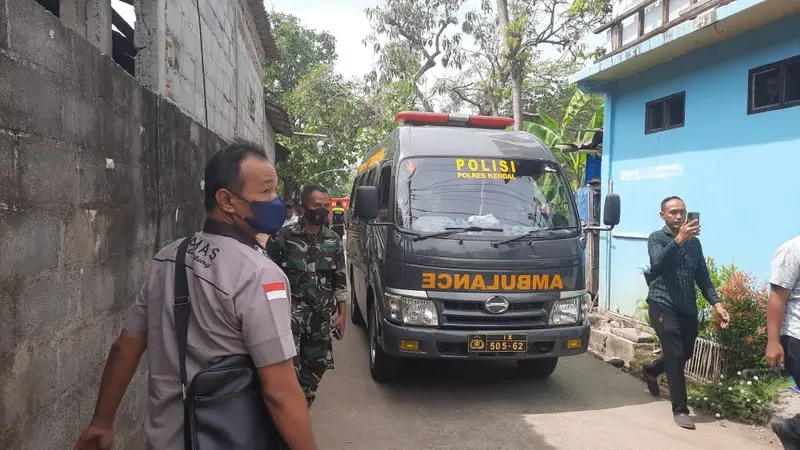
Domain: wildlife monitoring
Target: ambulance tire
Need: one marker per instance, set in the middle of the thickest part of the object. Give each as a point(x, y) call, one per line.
point(538, 368)
point(382, 366)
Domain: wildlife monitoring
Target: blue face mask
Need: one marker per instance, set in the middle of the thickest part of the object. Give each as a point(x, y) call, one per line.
point(268, 217)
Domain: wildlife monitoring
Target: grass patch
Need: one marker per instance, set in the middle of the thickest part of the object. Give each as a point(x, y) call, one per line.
point(745, 397)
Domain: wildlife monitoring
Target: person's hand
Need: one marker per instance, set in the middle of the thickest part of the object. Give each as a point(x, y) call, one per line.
point(96, 437)
point(338, 322)
point(774, 355)
point(687, 231)
point(722, 314)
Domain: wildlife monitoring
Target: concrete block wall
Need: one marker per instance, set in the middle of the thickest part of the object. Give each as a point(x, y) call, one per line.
point(96, 174)
point(215, 63)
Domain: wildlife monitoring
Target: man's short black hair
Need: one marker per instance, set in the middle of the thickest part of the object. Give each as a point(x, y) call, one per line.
point(289, 204)
point(668, 199)
point(310, 189)
point(224, 169)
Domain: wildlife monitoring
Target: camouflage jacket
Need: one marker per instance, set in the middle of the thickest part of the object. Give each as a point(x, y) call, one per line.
point(313, 262)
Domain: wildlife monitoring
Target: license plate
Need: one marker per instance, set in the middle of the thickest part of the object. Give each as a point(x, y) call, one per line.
point(493, 343)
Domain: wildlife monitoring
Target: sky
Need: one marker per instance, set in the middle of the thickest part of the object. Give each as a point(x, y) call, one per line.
point(344, 19)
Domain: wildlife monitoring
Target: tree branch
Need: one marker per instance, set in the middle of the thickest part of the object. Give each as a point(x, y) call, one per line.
point(464, 98)
point(402, 32)
point(437, 40)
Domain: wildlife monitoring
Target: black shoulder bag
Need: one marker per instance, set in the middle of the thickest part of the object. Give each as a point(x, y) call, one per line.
point(223, 405)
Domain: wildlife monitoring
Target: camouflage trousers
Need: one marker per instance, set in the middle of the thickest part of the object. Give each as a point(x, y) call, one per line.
point(311, 329)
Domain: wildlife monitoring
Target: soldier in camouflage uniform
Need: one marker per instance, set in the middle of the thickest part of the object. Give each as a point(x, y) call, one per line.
point(312, 257)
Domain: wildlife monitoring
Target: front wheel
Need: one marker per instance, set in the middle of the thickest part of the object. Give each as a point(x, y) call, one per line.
point(382, 366)
point(538, 368)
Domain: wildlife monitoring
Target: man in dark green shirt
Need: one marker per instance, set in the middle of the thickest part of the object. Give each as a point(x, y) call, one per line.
point(676, 264)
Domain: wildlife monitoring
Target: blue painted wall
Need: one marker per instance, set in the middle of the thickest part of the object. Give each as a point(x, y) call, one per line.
point(738, 171)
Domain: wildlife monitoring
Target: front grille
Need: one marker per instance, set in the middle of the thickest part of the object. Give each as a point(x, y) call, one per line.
point(472, 315)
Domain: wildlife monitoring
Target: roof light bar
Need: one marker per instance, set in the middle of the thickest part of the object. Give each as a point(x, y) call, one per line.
point(432, 118)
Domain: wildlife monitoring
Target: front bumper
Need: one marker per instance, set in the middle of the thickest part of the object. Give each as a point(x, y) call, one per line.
point(452, 344)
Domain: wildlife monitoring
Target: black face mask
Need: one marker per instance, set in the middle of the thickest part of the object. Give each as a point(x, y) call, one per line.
point(316, 216)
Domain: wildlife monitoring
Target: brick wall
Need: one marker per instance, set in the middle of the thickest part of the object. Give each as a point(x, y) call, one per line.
point(96, 174)
point(232, 57)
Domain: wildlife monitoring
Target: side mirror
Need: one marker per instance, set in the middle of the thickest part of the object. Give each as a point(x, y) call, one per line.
point(611, 210)
point(366, 202)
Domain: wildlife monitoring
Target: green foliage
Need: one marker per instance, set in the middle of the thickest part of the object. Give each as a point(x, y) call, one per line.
point(746, 337)
point(745, 396)
point(410, 37)
point(545, 88)
point(559, 137)
point(719, 276)
point(321, 102)
point(300, 49)
point(343, 117)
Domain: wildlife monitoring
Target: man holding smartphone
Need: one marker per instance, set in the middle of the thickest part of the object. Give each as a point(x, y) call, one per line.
point(783, 328)
point(676, 264)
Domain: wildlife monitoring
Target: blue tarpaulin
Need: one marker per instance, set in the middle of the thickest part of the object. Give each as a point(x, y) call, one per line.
point(592, 168)
point(582, 196)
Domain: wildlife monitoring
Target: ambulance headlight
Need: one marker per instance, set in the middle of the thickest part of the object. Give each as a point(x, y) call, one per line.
point(412, 311)
point(569, 311)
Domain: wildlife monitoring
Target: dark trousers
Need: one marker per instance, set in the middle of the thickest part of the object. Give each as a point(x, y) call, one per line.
point(791, 356)
point(677, 333)
point(790, 438)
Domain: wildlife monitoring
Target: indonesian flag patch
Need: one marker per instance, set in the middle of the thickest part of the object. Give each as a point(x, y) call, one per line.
point(275, 291)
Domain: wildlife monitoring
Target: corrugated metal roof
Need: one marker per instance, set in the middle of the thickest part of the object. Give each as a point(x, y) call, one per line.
point(278, 118)
point(264, 29)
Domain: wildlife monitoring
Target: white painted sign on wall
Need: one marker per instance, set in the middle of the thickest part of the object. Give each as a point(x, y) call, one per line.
point(651, 173)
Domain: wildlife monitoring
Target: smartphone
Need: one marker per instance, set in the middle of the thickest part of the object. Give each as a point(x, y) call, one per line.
point(336, 333)
point(693, 216)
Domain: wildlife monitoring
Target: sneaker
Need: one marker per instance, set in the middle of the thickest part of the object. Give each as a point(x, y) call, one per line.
point(652, 384)
point(684, 421)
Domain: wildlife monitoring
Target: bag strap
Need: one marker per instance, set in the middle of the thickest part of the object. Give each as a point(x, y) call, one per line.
point(182, 306)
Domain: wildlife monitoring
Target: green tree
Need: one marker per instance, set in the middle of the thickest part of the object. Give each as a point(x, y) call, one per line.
point(420, 36)
point(484, 83)
point(319, 101)
point(323, 103)
point(526, 25)
point(545, 88)
point(300, 50)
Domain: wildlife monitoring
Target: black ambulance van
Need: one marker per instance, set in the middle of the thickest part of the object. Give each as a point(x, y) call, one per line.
point(463, 241)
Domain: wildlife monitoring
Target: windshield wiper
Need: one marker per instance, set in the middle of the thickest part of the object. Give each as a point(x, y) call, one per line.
point(452, 230)
point(528, 235)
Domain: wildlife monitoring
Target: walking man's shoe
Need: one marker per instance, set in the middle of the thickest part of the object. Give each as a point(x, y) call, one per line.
point(787, 432)
point(652, 384)
point(684, 421)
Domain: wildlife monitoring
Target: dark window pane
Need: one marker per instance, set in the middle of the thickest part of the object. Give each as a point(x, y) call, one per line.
point(793, 81)
point(385, 183)
point(676, 106)
point(655, 116)
point(766, 88)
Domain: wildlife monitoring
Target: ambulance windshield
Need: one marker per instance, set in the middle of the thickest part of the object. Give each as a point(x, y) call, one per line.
point(516, 195)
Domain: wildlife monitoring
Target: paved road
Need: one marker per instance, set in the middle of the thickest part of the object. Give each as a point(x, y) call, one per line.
point(467, 406)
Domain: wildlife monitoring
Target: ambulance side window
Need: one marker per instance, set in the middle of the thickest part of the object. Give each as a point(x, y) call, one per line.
point(369, 177)
point(384, 191)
